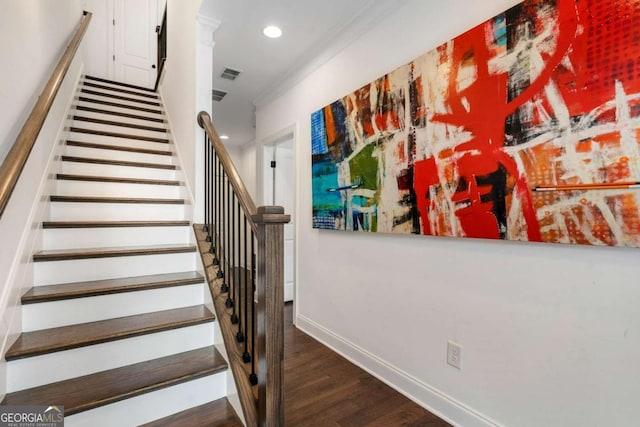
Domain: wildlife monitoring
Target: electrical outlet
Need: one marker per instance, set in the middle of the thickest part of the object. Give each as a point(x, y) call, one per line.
point(454, 354)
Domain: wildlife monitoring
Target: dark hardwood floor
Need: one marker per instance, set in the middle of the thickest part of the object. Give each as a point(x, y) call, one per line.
point(322, 389)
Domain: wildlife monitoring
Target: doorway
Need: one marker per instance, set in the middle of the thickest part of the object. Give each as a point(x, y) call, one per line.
point(135, 42)
point(279, 178)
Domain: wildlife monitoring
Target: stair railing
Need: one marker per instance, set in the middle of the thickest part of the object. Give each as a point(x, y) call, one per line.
point(16, 158)
point(161, 30)
point(246, 245)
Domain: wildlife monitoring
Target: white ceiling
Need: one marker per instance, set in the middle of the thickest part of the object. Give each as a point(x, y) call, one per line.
point(313, 29)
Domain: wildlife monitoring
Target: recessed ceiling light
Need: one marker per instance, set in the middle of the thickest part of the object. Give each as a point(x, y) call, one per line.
point(224, 136)
point(272, 32)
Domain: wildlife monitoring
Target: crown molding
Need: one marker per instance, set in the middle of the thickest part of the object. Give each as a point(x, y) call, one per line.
point(342, 36)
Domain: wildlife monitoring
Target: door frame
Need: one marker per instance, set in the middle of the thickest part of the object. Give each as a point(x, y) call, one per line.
point(264, 145)
point(111, 37)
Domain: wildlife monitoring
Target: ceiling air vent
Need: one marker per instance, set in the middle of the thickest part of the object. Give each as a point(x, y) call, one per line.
point(218, 94)
point(230, 73)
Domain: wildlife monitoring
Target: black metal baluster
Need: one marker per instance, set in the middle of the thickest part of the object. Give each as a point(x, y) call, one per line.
point(240, 335)
point(207, 177)
point(226, 241)
point(246, 357)
point(253, 378)
point(231, 210)
point(213, 158)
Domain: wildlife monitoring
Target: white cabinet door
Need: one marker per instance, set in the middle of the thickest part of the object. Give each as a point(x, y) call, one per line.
point(135, 42)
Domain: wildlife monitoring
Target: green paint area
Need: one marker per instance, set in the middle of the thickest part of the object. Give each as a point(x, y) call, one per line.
point(364, 169)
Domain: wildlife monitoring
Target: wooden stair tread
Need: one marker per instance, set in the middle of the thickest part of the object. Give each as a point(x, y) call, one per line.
point(45, 341)
point(99, 79)
point(120, 124)
point(109, 286)
point(218, 413)
point(117, 114)
point(117, 104)
point(119, 97)
point(86, 253)
point(119, 89)
point(119, 135)
point(118, 148)
point(88, 199)
point(116, 162)
point(94, 390)
point(113, 179)
point(112, 224)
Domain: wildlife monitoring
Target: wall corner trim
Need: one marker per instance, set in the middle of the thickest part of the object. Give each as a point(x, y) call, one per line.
point(437, 402)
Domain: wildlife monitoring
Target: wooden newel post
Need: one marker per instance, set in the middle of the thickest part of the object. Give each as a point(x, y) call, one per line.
point(270, 221)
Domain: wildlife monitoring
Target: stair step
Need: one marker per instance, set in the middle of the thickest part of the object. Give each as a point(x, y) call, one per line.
point(83, 199)
point(65, 254)
point(112, 224)
point(65, 291)
point(116, 162)
point(94, 390)
point(52, 340)
point(119, 105)
point(119, 135)
point(117, 113)
point(120, 124)
point(90, 178)
point(218, 413)
point(117, 148)
point(119, 89)
point(98, 79)
point(118, 97)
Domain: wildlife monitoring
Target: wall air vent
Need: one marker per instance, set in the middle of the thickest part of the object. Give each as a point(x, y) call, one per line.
point(218, 94)
point(230, 73)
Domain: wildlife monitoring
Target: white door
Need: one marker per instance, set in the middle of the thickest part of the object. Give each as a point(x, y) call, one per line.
point(135, 42)
point(280, 191)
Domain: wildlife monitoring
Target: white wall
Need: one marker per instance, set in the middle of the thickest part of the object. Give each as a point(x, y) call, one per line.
point(33, 36)
point(550, 333)
point(98, 46)
point(244, 158)
point(186, 85)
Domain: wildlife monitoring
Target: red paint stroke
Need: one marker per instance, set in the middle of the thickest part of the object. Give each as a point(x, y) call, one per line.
point(484, 115)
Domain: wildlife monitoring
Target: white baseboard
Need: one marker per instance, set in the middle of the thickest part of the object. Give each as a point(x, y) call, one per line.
point(434, 400)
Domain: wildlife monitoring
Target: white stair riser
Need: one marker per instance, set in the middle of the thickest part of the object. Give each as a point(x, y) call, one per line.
point(83, 124)
point(115, 90)
point(67, 187)
point(91, 309)
point(54, 272)
point(73, 238)
point(122, 142)
point(118, 109)
point(152, 406)
point(62, 365)
point(107, 154)
point(136, 101)
point(69, 211)
point(117, 118)
point(78, 168)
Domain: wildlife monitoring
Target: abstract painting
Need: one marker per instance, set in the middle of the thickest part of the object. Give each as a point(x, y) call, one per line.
point(526, 128)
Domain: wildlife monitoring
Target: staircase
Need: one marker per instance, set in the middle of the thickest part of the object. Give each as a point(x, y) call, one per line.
point(118, 327)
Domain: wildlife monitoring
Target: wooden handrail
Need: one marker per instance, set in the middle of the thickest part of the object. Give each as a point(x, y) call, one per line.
point(204, 120)
point(13, 164)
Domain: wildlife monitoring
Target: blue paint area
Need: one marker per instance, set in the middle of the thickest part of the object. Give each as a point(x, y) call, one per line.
point(324, 178)
point(318, 133)
point(339, 118)
point(500, 30)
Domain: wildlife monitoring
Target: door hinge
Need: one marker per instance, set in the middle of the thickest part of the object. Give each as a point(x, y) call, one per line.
point(114, 58)
point(114, 22)
point(273, 164)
